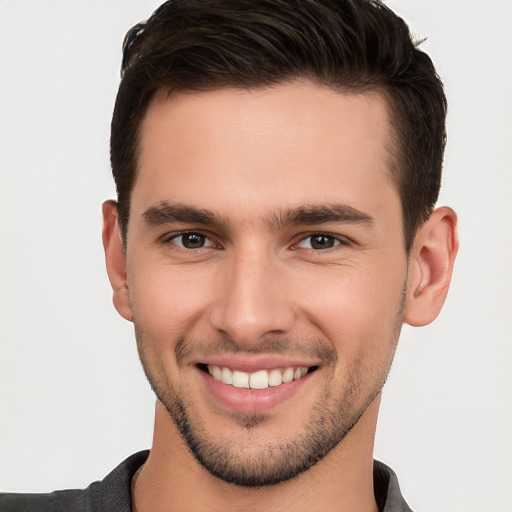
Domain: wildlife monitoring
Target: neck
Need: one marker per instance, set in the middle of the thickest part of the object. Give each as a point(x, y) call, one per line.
point(172, 479)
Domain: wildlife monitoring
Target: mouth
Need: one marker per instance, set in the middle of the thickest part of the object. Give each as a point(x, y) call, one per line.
point(259, 379)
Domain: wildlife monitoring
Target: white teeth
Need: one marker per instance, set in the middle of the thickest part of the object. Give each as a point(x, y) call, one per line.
point(288, 375)
point(260, 379)
point(216, 372)
point(226, 376)
point(275, 378)
point(240, 379)
point(300, 372)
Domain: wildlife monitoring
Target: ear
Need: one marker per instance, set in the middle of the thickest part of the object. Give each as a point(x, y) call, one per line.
point(116, 260)
point(430, 267)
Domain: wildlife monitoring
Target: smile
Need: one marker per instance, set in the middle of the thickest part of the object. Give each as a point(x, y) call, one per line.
point(261, 379)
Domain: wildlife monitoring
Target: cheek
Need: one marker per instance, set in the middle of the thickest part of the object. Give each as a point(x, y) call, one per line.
point(167, 301)
point(359, 310)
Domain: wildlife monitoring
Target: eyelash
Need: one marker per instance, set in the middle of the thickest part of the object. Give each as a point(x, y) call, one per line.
point(172, 239)
point(335, 240)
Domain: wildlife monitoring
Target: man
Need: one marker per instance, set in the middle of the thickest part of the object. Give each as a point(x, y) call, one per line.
point(277, 165)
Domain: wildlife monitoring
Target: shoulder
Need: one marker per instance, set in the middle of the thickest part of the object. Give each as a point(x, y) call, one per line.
point(112, 493)
point(387, 490)
point(57, 501)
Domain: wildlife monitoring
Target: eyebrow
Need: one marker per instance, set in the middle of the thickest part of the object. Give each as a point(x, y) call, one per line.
point(320, 214)
point(167, 213)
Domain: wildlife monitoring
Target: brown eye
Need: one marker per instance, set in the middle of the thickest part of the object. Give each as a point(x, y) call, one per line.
point(319, 241)
point(322, 242)
point(191, 240)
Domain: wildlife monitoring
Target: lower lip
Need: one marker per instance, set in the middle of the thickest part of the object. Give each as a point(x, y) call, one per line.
point(252, 401)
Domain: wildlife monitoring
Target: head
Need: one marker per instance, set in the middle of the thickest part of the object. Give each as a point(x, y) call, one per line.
point(346, 45)
point(277, 163)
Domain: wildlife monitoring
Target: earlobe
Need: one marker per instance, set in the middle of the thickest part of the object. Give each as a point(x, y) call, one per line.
point(116, 260)
point(430, 267)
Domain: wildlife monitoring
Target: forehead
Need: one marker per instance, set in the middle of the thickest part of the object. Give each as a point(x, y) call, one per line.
point(288, 145)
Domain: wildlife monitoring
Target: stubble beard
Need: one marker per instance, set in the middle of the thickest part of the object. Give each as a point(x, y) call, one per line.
point(257, 464)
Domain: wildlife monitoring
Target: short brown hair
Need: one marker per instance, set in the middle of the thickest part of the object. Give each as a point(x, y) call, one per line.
point(348, 45)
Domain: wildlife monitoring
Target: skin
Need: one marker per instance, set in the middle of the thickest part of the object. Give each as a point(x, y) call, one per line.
point(244, 170)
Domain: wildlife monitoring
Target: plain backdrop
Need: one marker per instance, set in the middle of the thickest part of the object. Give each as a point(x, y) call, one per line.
point(73, 400)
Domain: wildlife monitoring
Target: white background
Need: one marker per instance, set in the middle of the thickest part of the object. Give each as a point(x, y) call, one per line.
point(73, 400)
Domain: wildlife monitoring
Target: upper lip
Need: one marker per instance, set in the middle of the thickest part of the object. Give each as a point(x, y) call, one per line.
point(252, 363)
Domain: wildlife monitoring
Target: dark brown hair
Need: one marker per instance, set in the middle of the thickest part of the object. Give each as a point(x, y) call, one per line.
point(348, 45)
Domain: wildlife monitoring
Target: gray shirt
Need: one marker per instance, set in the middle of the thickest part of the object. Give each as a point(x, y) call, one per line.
point(113, 493)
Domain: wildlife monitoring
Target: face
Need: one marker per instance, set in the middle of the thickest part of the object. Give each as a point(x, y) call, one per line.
point(266, 271)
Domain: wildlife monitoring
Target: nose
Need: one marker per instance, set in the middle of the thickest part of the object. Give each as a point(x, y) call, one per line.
point(253, 300)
